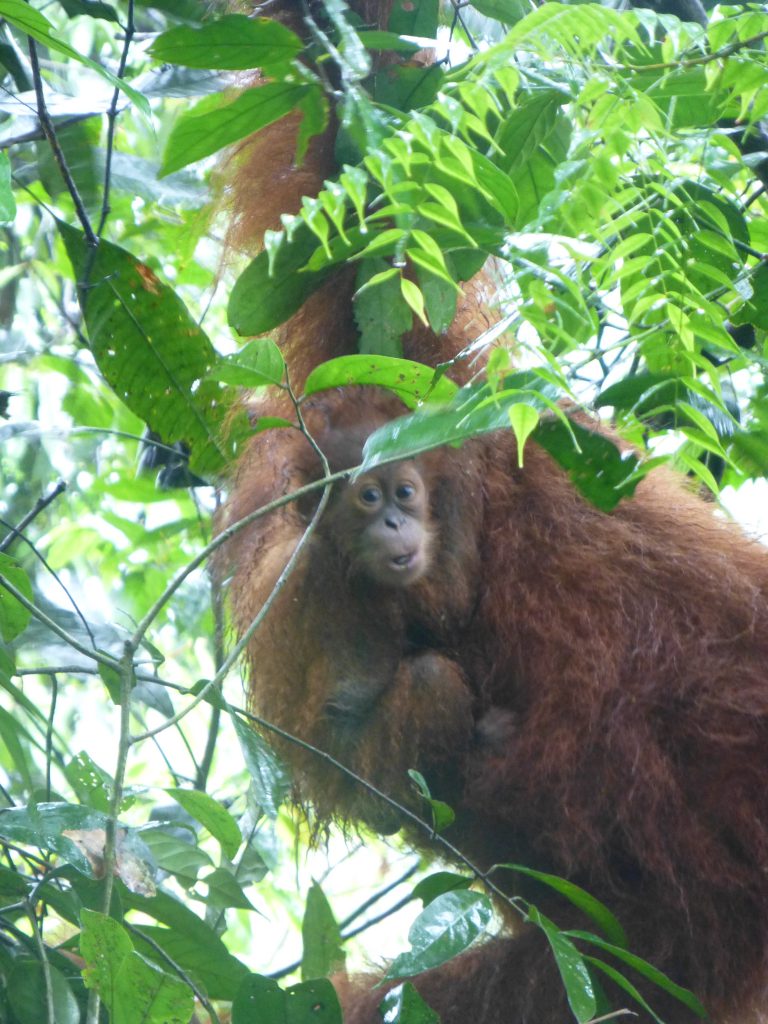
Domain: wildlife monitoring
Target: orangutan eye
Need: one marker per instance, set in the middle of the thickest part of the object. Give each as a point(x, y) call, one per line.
point(370, 495)
point(405, 492)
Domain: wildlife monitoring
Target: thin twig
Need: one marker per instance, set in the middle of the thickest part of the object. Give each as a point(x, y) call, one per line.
point(58, 153)
point(377, 918)
point(221, 673)
point(177, 969)
point(385, 891)
point(110, 841)
point(691, 62)
point(245, 638)
point(98, 656)
point(112, 121)
point(38, 134)
point(217, 606)
point(49, 734)
point(421, 824)
point(47, 983)
point(14, 532)
point(223, 537)
point(52, 572)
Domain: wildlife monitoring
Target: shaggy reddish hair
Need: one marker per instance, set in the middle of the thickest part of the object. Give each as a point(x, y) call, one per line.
point(595, 704)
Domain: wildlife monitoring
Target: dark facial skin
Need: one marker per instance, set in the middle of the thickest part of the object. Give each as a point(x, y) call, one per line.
point(381, 523)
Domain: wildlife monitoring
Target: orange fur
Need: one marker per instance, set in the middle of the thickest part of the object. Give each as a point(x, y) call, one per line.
point(589, 691)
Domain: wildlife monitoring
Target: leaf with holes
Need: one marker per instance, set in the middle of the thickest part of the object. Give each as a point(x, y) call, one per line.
point(149, 348)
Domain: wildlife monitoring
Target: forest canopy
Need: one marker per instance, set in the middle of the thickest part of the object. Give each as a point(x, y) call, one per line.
point(610, 160)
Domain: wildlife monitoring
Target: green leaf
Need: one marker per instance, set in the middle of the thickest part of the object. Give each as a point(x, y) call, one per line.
point(598, 469)
point(144, 994)
point(403, 1005)
point(92, 784)
point(506, 11)
point(440, 296)
point(261, 999)
point(756, 310)
point(177, 856)
point(624, 983)
point(32, 23)
point(322, 951)
point(442, 813)
point(14, 617)
point(273, 287)
point(411, 382)
point(434, 885)
point(647, 970)
point(599, 913)
point(626, 393)
point(257, 364)
point(389, 41)
point(268, 776)
point(472, 411)
point(380, 313)
point(224, 890)
point(234, 42)
point(43, 825)
point(79, 144)
point(13, 886)
point(602, 473)
point(25, 991)
point(149, 349)
point(211, 815)
point(523, 419)
point(112, 681)
point(526, 127)
point(579, 986)
point(18, 743)
point(7, 202)
point(412, 295)
point(91, 9)
point(214, 123)
point(189, 941)
point(445, 928)
point(104, 945)
point(414, 19)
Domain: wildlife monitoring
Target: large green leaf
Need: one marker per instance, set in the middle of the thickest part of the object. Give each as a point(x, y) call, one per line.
point(403, 1005)
point(412, 382)
point(261, 999)
point(414, 19)
point(25, 986)
point(32, 23)
point(212, 815)
point(43, 825)
point(149, 348)
point(526, 126)
point(322, 950)
point(234, 42)
point(214, 123)
point(600, 471)
point(7, 202)
point(575, 975)
point(14, 617)
point(646, 970)
point(268, 776)
point(189, 941)
point(274, 286)
point(597, 468)
point(445, 928)
point(580, 898)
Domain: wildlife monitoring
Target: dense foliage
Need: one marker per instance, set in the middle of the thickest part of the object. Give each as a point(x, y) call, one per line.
point(613, 163)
